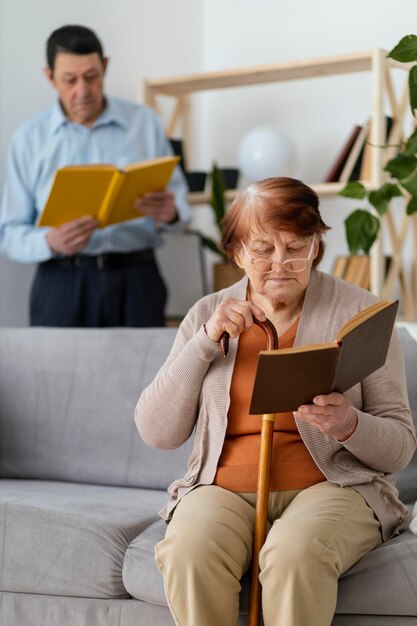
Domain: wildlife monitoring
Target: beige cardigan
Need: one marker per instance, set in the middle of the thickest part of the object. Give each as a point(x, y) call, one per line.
point(191, 392)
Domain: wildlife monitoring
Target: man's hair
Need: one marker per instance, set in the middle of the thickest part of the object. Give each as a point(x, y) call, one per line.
point(74, 39)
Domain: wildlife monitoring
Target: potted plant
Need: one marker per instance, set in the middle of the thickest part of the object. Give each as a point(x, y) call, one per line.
point(362, 227)
point(225, 273)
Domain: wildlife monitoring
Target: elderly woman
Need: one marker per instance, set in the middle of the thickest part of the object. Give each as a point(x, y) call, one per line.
point(332, 496)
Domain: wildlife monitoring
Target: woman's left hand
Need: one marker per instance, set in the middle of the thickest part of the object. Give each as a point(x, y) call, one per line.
point(332, 414)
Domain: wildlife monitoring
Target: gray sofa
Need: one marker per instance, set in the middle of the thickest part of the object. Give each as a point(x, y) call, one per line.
point(79, 491)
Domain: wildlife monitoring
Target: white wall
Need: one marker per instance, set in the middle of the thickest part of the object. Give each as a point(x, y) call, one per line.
point(155, 38)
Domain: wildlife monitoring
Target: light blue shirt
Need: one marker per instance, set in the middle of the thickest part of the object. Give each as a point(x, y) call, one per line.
point(124, 133)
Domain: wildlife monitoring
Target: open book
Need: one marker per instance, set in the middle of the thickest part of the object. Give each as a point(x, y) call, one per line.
point(104, 191)
point(287, 378)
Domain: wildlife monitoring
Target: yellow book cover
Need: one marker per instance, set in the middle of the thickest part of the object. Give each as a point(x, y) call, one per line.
point(104, 191)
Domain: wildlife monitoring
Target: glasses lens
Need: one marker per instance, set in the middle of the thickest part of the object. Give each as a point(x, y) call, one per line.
point(266, 266)
point(263, 265)
point(296, 265)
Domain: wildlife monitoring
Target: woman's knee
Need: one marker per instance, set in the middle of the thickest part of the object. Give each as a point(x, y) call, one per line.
point(192, 545)
point(290, 545)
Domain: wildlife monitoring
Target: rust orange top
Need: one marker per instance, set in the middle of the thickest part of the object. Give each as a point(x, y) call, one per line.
point(292, 466)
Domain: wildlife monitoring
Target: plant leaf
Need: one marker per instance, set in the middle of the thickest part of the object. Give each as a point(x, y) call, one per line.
point(412, 87)
point(211, 245)
point(361, 231)
point(410, 186)
point(401, 166)
point(353, 189)
point(217, 196)
point(379, 198)
point(411, 145)
point(412, 206)
point(405, 50)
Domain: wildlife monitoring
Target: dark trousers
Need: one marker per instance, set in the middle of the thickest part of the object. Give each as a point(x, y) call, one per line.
point(110, 290)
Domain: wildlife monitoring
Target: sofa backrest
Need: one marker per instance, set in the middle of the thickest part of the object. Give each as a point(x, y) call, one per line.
point(67, 398)
point(407, 479)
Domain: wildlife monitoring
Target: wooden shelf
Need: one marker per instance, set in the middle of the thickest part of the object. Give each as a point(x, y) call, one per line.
point(322, 189)
point(380, 68)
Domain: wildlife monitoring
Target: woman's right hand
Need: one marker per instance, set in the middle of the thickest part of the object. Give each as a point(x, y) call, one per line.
point(234, 317)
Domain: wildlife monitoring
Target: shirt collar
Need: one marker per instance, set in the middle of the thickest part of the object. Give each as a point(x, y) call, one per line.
point(112, 114)
point(57, 118)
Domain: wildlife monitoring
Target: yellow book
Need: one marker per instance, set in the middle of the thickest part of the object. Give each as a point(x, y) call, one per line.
point(104, 191)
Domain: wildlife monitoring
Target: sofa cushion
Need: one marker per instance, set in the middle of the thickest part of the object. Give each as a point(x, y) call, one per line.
point(67, 398)
point(141, 577)
point(70, 539)
point(390, 571)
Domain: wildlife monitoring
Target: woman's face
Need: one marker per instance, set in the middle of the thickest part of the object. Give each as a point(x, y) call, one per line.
point(281, 285)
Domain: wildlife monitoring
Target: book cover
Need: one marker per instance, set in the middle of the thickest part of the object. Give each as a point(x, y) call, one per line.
point(287, 378)
point(103, 190)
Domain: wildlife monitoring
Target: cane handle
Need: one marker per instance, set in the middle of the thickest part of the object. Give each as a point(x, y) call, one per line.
point(268, 328)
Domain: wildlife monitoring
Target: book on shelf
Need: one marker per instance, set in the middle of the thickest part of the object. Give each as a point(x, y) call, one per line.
point(358, 271)
point(104, 191)
point(354, 269)
point(339, 266)
point(351, 169)
point(288, 378)
point(336, 169)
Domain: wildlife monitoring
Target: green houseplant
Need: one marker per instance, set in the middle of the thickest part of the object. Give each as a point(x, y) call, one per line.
point(362, 226)
point(224, 272)
point(218, 204)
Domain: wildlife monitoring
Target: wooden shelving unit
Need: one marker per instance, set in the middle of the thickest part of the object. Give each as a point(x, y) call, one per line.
point(380, 68)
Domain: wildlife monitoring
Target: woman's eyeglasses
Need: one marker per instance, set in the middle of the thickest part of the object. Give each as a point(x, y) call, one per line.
point(266, 266)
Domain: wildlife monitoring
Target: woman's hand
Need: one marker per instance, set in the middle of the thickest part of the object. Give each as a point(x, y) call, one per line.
point(332, 414)
point(234, 317)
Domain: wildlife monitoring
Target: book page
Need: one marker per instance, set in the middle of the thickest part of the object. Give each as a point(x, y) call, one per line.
point(137, 180)
point(361, 317)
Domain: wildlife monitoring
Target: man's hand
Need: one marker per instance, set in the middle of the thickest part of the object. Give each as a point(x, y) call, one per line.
point(159, 205)
point(332, 414)
point(71, 237)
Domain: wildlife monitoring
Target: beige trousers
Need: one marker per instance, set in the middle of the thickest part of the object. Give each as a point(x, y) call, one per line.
point(316, 534)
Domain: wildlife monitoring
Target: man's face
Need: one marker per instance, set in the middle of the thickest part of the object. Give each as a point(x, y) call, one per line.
point(78, 79)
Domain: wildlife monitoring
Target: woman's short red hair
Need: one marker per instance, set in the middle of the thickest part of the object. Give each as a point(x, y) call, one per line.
point(273, 204)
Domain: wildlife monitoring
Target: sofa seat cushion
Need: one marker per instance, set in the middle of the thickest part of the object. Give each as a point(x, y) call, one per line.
point(384, 582)
point(141, 576)
point(70, 539)
point(389, 571)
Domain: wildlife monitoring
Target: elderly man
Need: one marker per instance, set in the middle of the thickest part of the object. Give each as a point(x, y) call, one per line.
point(87, 276)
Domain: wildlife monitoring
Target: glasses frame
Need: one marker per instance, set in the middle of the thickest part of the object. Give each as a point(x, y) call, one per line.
point(285, 264)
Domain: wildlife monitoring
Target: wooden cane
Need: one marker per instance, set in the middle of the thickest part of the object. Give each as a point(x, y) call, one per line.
point(262, 490)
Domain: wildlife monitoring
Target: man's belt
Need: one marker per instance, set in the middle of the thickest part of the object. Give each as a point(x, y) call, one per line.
point(111, 260)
